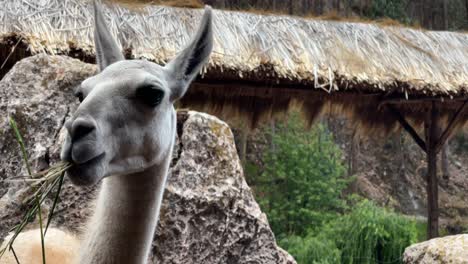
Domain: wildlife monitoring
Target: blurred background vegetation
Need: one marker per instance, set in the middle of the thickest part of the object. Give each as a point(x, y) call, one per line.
point(303, 188)
point(429, 14)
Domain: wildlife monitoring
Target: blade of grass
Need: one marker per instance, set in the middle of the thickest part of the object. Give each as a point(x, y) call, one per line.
point(39, 211)
point(58, 170)
point(14, 254)
point(26, 161)
point(51, 213)
point(21, 142)
point(44, 183)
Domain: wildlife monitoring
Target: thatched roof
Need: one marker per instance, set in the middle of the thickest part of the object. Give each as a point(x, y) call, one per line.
point(260, 47)
point(273, 59)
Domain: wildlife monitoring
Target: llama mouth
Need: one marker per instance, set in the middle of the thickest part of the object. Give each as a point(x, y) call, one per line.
point(90, 162)
point(87, 173)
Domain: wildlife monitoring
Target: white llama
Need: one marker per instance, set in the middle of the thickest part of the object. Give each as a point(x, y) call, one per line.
point(122, 133)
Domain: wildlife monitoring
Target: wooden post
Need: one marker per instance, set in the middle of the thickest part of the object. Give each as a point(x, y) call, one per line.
point(445, 14)
point(432, 130)
point(352, 153)
point(445, 162)
point(406, 126)
point(401, 175)
point(434, 141)
point(243, 145)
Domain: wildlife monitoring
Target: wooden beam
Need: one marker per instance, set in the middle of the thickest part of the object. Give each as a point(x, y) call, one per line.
point(243, 144)
point(451, 126)
point(397, 101)
point(263, 90)
point(431, 131)
point(260, 87)
point(401, 119)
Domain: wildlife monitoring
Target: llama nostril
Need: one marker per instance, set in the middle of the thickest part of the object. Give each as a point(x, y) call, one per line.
point(81, 128)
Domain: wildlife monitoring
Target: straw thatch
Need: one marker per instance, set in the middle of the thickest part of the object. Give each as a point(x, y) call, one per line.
point(262, 63)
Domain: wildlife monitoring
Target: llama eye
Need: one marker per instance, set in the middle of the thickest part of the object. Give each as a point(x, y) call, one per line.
point(80, 96)
point(150, 95)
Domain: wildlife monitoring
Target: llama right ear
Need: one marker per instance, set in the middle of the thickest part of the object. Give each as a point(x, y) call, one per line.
point(188, 63)
point(107, 50)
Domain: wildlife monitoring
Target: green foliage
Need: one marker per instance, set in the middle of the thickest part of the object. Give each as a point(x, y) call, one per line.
point(394, 9)
point(367, 234)
point(370, 234)
point(457, 15)
point(421, 227)
point(301, 190)
point(302, 178)
point(311, 249)
point(251, 170)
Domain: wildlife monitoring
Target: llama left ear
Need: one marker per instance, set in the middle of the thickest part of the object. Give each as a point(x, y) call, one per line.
point(188, 63)
point(107, 50)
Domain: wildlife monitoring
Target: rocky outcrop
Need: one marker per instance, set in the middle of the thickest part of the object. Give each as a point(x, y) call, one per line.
point(443, 250)
point(208, 215)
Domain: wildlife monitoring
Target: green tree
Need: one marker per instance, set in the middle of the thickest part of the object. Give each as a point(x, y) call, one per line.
point(302, 178)
point(394, 9)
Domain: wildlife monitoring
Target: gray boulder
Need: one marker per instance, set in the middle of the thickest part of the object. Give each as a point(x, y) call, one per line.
point(209, 214)
point(442, 250)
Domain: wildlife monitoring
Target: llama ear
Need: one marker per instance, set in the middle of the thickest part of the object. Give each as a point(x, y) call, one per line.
point(107, 50)
point(188, 63)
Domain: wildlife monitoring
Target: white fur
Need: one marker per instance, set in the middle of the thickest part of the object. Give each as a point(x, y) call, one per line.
point(60, 248)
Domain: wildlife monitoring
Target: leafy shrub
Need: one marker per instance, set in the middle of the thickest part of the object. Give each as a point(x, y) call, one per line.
point(370, 234)
point(367, 234)
point(421, 227)
point(311, 249)
point(301, 190)
point(302, 178)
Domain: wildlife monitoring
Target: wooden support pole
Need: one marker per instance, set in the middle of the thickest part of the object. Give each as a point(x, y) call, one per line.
point(401, 119)
point(404, 101)
point(444, 153)
point(432, 131)
point(243, 144)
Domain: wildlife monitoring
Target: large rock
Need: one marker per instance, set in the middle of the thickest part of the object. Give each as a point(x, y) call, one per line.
point(208, 215)
point(444, 250)
point(37, 93)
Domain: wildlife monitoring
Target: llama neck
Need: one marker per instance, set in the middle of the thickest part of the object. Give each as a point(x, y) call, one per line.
point(122, 228)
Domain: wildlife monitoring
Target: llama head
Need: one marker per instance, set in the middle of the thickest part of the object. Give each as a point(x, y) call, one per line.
point(126, 120)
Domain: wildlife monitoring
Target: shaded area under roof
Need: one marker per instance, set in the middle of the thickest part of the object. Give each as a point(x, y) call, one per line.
point(262, 64)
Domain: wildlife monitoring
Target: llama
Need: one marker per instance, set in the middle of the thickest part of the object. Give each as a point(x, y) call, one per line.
point(123, 133)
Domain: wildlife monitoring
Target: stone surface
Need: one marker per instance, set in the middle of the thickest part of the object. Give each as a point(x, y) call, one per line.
point(38, 94)
point(208, 215)
point(444, 250)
